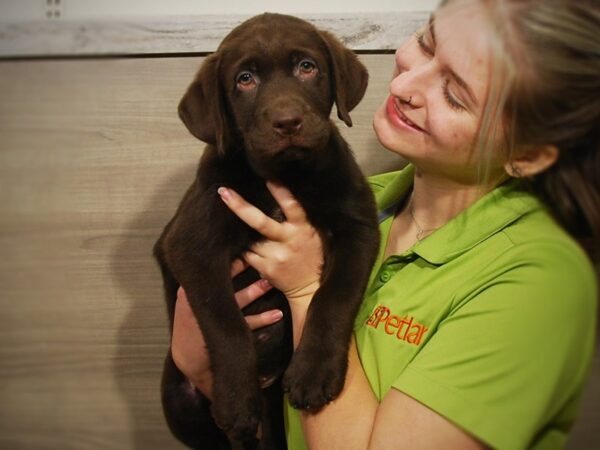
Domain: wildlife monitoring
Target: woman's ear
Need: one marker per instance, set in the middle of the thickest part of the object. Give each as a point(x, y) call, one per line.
point(531, 161)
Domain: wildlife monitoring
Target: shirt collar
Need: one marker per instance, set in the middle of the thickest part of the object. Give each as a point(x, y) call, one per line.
point(486, 217)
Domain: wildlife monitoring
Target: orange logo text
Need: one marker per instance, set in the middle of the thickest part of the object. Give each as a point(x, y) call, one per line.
point(405, 328)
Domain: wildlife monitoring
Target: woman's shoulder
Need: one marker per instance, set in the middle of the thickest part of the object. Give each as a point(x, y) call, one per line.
point(537, 237)
point(544, 261)
point(529, 235)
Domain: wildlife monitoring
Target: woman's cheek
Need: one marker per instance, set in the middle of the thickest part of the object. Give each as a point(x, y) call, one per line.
point(453, 128)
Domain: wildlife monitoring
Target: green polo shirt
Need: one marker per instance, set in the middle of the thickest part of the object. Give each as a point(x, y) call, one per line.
point(489, 321)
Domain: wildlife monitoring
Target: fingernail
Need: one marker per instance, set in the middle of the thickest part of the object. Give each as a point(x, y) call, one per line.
point(224, 193)
point(276, 315)
point(265, 284)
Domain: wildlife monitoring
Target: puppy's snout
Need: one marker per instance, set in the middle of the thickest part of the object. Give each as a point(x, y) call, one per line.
point(288, 124)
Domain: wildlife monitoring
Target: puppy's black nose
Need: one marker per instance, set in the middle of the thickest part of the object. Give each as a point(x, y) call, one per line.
point(287, 125)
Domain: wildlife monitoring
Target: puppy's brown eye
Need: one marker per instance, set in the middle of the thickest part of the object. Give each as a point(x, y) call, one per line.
point(245, 80)
point(306, 68)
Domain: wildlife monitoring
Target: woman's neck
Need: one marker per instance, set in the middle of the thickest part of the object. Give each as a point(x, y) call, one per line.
point(432, 203)
point(436, 201)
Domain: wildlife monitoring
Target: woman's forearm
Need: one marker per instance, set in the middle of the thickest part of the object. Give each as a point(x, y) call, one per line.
point(204, 385)
point(299, 308)
point(347, 422)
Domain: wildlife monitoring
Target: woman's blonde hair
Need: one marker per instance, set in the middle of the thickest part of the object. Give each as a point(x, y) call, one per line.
point(546, 91)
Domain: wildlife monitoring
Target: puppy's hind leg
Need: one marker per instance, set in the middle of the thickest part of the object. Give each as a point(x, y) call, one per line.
point(186, 410)
point(273, 427)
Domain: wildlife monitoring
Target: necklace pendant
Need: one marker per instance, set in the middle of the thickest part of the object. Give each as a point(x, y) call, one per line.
point(420, 234)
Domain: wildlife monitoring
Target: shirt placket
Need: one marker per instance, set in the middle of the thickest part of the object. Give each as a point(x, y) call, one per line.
point(388, 269)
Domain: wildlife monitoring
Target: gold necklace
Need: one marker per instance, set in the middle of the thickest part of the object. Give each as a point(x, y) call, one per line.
point(420, 231)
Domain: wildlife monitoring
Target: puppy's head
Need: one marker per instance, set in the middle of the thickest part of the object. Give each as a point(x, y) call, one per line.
point(270, 88)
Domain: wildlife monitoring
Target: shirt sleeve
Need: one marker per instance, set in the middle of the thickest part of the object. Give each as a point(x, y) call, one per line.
point(512, 354)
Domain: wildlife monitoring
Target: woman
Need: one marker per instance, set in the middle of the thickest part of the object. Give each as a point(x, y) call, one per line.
point(477, 328)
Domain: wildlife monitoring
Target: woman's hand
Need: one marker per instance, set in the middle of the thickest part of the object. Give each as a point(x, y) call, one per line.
point(291, 257)
point(187, 343)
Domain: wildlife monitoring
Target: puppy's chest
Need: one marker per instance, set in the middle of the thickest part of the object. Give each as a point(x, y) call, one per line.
point(269, 206)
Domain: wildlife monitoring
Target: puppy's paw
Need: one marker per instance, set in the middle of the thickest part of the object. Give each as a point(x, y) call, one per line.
point(237, 413)
point(312, 381)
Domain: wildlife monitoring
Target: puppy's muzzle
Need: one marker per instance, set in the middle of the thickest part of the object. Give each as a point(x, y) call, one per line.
point(288, 122)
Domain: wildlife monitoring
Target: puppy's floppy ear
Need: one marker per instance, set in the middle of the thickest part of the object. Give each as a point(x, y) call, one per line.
point(202, 107)
point(350, 77)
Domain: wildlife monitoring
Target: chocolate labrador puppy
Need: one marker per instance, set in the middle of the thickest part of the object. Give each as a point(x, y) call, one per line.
point(262, 103)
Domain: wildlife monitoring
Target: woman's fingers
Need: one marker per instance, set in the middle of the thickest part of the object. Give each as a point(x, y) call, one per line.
point(250, 293)
point(243, 297)
point(292, 210)
point(237, 267)
point(189, 326)
point(254, 217)
point(264, 319)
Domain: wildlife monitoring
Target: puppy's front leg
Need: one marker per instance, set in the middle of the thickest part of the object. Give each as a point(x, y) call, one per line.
point(318, 368)
point(236, 401)
point(198, 253)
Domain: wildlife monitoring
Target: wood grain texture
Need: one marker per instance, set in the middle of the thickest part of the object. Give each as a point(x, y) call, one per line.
point(177, 34)
point(93, 162)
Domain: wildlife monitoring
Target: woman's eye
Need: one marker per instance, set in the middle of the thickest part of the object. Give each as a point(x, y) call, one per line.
point(245, 80)
point(452, 102)
point(425, 48)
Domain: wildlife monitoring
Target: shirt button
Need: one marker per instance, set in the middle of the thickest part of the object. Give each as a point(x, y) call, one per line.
point(385, 277)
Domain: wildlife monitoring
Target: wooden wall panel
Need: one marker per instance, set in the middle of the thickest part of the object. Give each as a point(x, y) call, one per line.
point(93, 161)
point(190, 33)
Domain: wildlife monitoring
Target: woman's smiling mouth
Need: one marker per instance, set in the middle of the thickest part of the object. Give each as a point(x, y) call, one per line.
point(398, 118)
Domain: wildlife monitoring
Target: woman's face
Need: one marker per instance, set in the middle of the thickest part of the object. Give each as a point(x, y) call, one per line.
point(438, 94)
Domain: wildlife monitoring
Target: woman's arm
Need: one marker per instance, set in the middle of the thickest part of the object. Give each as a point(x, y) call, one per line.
point(347, 422)
point(291, 259)
point(356, 421)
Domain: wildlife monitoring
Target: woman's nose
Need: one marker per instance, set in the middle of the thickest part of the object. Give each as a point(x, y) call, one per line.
point(413, 81)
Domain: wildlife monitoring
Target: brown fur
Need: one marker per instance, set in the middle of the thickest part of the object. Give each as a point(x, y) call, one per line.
point(277, 129)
